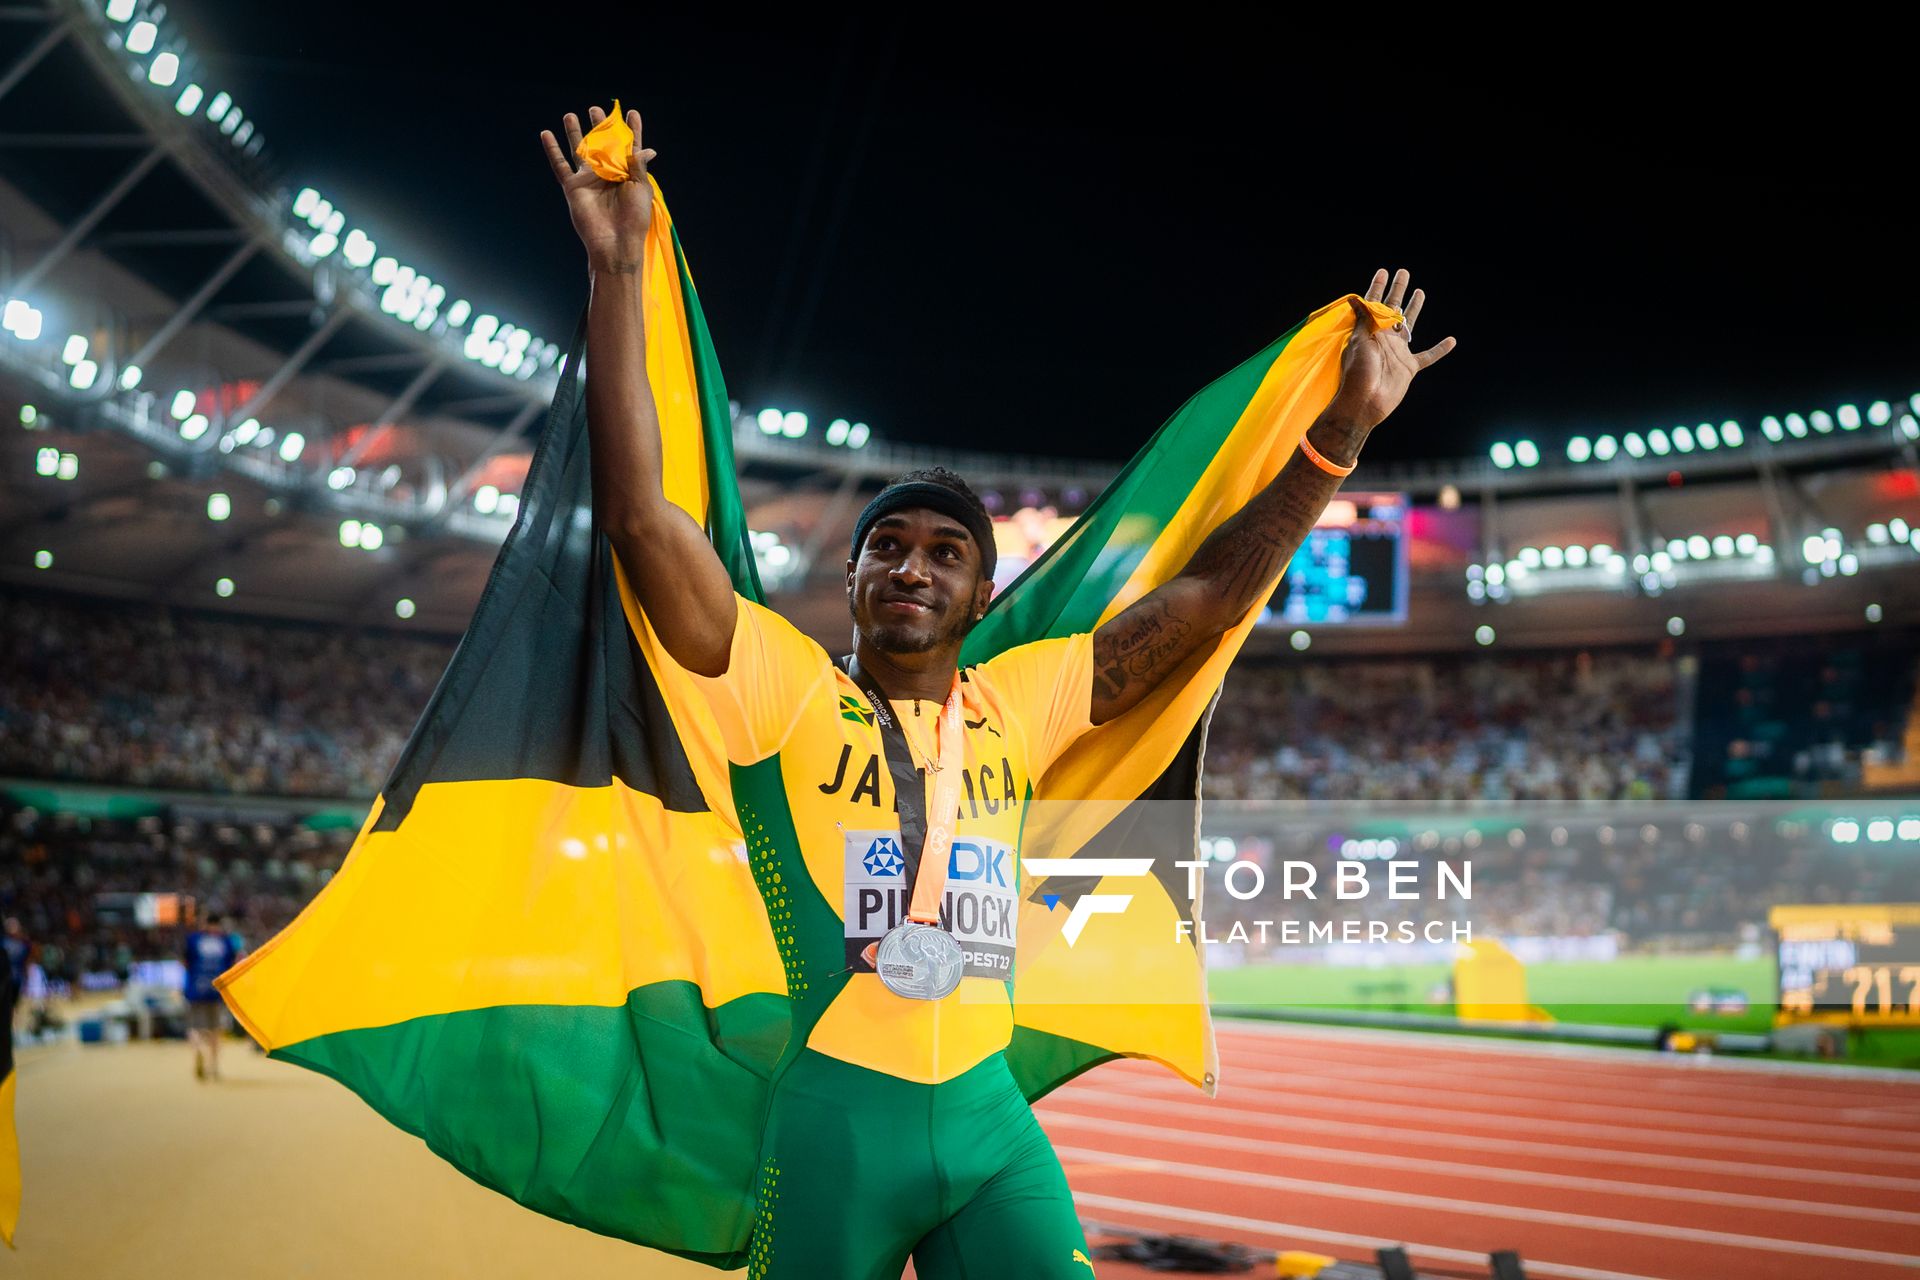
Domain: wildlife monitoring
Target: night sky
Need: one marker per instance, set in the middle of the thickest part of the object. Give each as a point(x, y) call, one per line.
point(1041, 238)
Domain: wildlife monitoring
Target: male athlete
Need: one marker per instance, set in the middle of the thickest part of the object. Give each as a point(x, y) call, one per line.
point(896, 1128)
point(206, 954)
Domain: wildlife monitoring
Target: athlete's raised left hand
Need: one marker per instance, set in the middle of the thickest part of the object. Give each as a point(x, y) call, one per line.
point(1379, 364)
point(611, 218)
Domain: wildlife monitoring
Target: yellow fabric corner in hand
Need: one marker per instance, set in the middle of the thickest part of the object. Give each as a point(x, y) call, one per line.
point(608, 148)
point(1383, 315)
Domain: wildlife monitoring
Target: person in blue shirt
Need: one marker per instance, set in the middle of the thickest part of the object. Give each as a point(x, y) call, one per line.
point(208, 953)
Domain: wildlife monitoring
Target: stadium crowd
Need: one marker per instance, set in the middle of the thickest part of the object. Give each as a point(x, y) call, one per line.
point(152, 697)
point(1581, 726)
point(70, 881)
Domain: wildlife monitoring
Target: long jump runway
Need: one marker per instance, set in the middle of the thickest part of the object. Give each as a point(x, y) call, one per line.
point(1595, 1164)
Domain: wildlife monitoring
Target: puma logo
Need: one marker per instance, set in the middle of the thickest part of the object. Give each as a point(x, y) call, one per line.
point(981, 723)
point(1081, 1257)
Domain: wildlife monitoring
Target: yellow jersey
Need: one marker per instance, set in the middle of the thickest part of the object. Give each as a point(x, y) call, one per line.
point(784, 704)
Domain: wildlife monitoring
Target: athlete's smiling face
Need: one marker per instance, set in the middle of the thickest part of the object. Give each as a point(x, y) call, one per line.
point(917, 584)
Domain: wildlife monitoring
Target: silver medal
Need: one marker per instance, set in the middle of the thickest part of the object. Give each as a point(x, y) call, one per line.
point(919, 961)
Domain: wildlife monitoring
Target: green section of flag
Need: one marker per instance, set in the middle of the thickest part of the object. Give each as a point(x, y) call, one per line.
point(638, 1121)
point(726, 517)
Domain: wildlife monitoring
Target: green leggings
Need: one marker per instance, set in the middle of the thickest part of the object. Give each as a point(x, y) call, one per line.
point(862, 1169)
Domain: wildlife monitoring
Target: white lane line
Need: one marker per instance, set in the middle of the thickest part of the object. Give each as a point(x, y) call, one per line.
point(1291, 1234)
point(1541, 1085)
point(1905, 1114)
point(1486, 1173)
point(1222, 1110)
point(1705, 1124)
point(1721, 1092)
point(1694, 1080)
point(1633, 1058)
point(1504, 1146)
point(1642, 1131)
point(1516, 1213)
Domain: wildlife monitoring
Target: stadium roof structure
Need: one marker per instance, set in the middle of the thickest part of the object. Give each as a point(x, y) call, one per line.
point(231, 394)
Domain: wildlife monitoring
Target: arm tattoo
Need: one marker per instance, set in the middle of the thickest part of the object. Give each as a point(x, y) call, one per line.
point(1241, 559)
point(1233, 569)
point(1138, 648)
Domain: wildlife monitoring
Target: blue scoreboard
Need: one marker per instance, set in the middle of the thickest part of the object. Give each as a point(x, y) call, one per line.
point(1352, 569)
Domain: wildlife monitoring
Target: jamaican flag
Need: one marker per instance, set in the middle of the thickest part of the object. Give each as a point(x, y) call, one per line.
point(545, 954)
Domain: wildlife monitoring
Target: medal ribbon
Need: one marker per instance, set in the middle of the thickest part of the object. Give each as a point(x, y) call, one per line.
point(925, 843)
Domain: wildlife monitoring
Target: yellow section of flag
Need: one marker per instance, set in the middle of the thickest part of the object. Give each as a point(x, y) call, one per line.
point(582, 895)
point(9, 1160)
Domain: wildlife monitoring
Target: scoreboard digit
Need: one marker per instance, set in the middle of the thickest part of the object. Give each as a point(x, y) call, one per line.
point(1853, 964)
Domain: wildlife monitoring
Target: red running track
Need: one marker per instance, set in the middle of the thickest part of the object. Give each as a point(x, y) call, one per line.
point(1596, 1164)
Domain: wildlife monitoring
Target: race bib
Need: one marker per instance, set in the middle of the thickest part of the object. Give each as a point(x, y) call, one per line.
point(979, 908)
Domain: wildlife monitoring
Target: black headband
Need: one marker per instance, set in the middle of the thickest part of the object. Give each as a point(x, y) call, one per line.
point(934, 497)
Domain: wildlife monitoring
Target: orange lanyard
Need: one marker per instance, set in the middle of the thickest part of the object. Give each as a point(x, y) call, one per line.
point(931, 884)
point(930, 881)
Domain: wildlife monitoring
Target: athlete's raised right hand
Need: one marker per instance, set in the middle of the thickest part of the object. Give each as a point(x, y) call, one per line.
point(611, 218)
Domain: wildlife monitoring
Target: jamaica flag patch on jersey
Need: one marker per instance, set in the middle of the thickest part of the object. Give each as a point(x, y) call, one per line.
point(851, 708)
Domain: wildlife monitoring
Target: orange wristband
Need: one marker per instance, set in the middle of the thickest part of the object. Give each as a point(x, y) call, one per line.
point(1320, 460)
